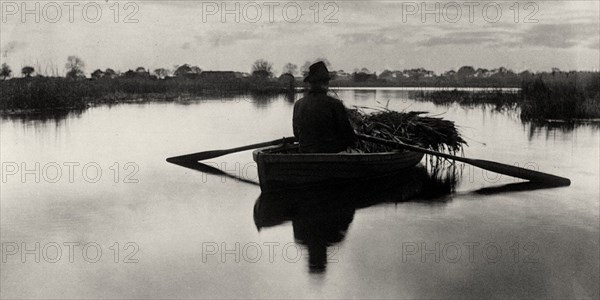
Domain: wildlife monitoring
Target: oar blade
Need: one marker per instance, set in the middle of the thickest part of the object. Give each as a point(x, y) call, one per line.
point(216, 153)
point(198, 156)
point(523, 173)
point(528, 174)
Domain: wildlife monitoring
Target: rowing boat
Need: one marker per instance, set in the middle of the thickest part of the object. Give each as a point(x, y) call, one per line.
point(283, 167)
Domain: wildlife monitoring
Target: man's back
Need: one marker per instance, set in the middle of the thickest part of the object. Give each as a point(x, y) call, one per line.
point(321, 124)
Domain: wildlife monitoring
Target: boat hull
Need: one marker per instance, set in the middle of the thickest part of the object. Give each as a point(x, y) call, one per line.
point(277, 170)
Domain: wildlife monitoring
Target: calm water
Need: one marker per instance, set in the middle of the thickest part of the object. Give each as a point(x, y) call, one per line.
point(180, 231)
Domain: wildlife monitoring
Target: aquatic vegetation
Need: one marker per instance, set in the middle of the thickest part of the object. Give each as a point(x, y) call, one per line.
point(43, 94)
point(574, 98)
point(499, 98)
point(562, 96)
point(58, 93)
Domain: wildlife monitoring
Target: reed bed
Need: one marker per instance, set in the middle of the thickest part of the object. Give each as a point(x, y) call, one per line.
point(578, 98)
point(57, 93)
point(498, 98)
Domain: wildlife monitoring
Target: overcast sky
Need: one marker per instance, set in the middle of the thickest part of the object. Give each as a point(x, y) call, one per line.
point(374, 34)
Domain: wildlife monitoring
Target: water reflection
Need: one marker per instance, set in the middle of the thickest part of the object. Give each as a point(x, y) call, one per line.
point(514, 187)
point(207, 169)
point(291, 97)
point(365, 95)
point(56, 116)
point(550, 128)
point(262, 100)
point(321, 217)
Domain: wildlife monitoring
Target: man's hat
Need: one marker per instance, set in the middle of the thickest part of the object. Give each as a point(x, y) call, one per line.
point(317, 72)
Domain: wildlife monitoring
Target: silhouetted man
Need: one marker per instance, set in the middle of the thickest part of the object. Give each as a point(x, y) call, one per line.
point(320, 122)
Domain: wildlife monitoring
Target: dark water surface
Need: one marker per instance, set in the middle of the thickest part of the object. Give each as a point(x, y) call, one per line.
point(185, 234)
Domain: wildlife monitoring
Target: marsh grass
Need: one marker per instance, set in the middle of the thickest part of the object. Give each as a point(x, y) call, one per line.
point(57, 93)
point(577, 98)
point(562, 96)
point(500, 99)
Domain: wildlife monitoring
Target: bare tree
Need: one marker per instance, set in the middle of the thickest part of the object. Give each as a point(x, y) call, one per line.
point(290, 68)
point(5, 71)
point(262, 68)
point(74, 66)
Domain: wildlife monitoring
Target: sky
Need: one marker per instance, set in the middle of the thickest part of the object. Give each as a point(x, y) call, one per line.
point(378, 35)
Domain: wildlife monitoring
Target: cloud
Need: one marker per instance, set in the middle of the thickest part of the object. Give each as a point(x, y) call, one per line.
point(375, 38)
point(220, 38)
point(465, 38)
point(560, 35)
point(554, 36)
point(594, 45)
point(186, 46)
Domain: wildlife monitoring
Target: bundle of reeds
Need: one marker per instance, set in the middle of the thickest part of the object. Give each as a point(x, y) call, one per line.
point(412, 128)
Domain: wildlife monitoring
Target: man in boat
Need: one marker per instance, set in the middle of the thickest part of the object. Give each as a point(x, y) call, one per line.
point(321, 122)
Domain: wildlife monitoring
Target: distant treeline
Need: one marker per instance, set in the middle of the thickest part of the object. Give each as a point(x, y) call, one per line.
point(465, 77)
point(75, 90)
point(555, 94)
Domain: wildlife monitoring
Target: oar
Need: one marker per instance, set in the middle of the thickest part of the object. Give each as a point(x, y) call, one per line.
point(216, 153)
point(533, 176)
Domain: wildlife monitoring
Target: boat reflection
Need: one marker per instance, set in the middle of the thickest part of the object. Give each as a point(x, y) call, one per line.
point(321, 217)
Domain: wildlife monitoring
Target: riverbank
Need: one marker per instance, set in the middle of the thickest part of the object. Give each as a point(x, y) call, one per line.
point(538, 98)
point(57, 93)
